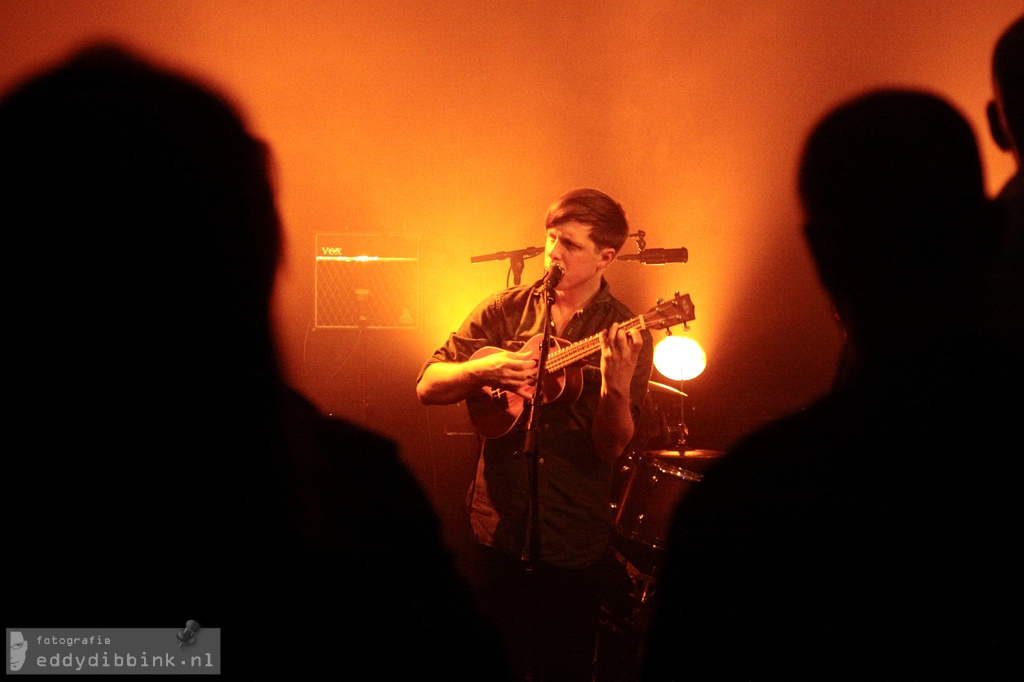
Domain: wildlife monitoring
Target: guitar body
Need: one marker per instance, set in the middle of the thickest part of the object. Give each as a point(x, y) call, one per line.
point(494, 411)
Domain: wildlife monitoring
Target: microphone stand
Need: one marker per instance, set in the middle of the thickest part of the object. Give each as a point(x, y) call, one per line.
point(515, 259)
point(532, 453)
point(530, 447)
point(516, 265)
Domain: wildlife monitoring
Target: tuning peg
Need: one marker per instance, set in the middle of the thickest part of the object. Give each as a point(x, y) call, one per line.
point(659, 301)
point(677, 293)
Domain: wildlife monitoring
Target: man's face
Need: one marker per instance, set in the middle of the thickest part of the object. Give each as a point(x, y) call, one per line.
point(570, 244)
point(19, 649)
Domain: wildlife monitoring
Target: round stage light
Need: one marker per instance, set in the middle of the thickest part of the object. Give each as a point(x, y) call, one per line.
point(679, 358)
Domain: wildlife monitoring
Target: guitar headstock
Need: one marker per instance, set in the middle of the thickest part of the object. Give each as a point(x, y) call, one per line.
point(677, 310)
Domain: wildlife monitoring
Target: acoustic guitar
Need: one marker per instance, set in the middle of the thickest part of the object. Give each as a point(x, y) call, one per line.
point(494, 411)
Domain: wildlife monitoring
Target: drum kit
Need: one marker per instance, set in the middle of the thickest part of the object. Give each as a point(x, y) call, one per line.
point(654, 482)
point(654, 478)
point(649, 484)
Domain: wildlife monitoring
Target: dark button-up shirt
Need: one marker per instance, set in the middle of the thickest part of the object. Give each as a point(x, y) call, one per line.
point(574, 482)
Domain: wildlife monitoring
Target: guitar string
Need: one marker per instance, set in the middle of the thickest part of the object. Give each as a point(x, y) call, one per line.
point(563, 357)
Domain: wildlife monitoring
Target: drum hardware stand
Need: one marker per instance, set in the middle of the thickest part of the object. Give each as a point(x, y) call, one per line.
point(643, 584)
point(620, 662)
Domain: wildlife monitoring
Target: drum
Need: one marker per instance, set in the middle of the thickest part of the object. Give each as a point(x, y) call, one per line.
point(653, 484)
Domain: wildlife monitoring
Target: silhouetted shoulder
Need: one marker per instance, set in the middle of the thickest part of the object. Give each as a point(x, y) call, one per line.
point(371, 552)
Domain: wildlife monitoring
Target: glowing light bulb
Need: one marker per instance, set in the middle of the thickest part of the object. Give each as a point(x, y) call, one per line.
point(679, 358)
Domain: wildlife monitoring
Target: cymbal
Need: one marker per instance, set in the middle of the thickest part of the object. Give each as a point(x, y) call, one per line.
point(695, 454)
point(663, 387)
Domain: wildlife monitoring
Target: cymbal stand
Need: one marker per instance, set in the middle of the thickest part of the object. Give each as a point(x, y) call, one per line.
point(684, 431)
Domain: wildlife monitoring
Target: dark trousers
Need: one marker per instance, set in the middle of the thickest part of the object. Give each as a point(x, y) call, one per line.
point(547, 617)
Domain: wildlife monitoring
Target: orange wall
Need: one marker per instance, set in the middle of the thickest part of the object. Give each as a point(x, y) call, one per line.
point(460, 121)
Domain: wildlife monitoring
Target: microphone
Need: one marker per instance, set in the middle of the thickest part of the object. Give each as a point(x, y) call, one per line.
point(554, 276)
point(528, 252)
point(659, 256)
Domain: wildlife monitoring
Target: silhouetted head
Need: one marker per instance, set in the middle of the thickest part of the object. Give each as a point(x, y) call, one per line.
point(607, 220)
point(896, 213)
point(140, 240)
point(1006, 111)
point(139, 219)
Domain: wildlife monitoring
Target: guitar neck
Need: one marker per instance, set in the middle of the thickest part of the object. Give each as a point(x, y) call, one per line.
point(569, 355)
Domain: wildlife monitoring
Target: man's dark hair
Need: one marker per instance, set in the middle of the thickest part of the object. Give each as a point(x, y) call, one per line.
point(591, 207)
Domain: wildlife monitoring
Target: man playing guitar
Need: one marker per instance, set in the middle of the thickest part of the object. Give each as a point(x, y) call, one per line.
point(555, 602)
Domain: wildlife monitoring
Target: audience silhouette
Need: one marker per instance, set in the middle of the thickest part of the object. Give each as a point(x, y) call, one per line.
point(1006, 123)
point(873, 532)
point(161, 470)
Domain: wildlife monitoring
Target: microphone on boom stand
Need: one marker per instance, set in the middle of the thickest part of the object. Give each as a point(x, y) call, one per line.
point(659, 256)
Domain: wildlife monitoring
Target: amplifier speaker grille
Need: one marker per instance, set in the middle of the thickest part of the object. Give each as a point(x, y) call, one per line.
point(366, 281)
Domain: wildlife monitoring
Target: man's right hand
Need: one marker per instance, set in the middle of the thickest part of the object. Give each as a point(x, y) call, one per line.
point(445, 383)
point(512, 371)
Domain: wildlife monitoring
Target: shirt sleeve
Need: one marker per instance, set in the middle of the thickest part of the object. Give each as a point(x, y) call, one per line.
point(476, 331)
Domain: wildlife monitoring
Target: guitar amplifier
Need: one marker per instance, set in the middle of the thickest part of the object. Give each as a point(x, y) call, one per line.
point(366, 281)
